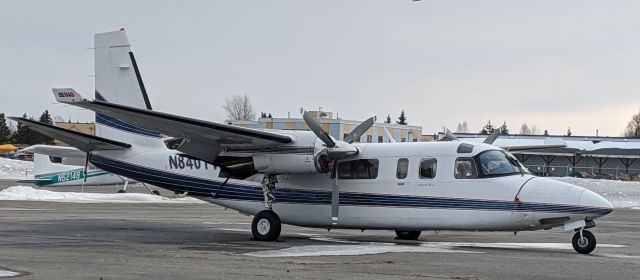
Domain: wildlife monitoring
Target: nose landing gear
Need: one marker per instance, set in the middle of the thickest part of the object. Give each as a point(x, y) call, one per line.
point(583, 241)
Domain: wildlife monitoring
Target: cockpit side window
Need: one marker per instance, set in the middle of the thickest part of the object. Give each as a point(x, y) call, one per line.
point(465, 168)
point(428, 167)
point(403, 168)
point(496, 163)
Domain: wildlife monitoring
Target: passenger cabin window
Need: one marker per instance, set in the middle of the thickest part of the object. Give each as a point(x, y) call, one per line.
point(358, 169)
point(428, 168)
point(465, 168)
point(403, 168)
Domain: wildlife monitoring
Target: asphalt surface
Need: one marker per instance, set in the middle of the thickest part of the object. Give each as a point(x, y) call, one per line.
point(53, 240)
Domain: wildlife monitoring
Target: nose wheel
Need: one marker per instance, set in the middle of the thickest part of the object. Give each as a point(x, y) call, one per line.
point(583, 241)
point(266, 226)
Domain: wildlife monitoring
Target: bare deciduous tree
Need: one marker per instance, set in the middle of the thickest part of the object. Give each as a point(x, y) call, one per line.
point(526, 130)
point(463, 127)
point(633, 127)
point(239, 107)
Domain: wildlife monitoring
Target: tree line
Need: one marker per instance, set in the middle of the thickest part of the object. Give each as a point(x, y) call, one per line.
point(23, 134)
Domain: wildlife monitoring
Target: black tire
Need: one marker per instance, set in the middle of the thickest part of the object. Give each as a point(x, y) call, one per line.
point(266, 226)
point(584, 245)
point(408, 234)
point(155, 192)
point(122, 191)
point(178, 192)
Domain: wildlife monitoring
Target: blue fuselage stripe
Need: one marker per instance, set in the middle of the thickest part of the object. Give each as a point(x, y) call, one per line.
point(231, 191)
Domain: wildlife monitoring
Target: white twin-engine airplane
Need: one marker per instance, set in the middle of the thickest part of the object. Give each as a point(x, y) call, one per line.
point(310, 179)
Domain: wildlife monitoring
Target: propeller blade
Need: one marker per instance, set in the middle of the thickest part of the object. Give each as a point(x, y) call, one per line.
point(317, 129)
point(359, 130)
point(492, 137)
point(448, 136)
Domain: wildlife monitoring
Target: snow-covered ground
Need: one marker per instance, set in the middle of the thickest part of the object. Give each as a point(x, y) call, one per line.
point(30, 194)
point(15, 169)
point(622, 194)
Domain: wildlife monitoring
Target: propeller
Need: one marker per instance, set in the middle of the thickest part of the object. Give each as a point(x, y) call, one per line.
point(359, 130)
point(448, 136)
point(493, 136)
point(335, 150)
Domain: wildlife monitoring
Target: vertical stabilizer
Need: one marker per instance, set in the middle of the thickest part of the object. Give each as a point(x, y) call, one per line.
point(118, 80)
point(42, 165)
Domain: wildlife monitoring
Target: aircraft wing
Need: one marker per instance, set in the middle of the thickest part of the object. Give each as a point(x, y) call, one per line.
point(56, 151)
point(548, 144)
point(84, 142)
point(201, 139)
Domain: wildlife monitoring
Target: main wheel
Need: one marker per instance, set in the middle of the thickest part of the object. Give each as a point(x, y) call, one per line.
point(266, 226)
point(408, 234)
point(122, 191)
point(583, 244)
point(155, 192)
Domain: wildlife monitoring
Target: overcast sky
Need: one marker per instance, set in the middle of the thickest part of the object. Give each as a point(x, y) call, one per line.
point(554, 64)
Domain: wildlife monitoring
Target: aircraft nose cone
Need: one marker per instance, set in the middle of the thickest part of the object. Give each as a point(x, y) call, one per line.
point(594, 200)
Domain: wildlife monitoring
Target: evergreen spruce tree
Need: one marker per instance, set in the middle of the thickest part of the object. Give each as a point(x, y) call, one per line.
point(39, 138)
point(23, 134)
point(5, 133)
point(503, 129)
point(569, 131)
point(402, 119)
point(270, 116)
point(388, 120)
point(263, 115)
point(487, 128)
point(546, 132)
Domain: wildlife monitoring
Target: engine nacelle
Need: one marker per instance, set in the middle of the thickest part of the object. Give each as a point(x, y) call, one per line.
point(284, 164)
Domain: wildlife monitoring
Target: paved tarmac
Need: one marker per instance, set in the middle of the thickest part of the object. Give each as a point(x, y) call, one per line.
point(53, 240)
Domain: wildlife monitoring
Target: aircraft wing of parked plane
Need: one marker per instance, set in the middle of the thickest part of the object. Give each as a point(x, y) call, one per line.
point(201, 139)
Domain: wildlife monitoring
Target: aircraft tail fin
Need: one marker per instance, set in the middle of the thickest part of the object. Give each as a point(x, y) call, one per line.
point(118, 80)
point(42, 165)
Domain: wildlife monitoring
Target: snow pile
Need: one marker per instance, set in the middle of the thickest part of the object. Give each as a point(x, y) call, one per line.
point(622, 194)
point(15, 169)
point(31, 194)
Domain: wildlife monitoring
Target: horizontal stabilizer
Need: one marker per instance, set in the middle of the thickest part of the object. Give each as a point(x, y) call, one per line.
point(67, 95)
point(55, 151)
point(83, 142)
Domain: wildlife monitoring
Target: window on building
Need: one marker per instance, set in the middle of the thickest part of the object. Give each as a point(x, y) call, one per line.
point(369, 138)
point(403, 139)
point(380, 139)
point(358, 169)
point(465, 168)
point(428, 168)
point(345, 135)
point(403, 168)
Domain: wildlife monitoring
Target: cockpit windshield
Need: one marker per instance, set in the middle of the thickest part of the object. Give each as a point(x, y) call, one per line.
point(498, 163)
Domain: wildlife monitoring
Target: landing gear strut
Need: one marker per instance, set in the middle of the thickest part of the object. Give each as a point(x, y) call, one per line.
point(266, 226)
point(583, 241)
point(408, 234)
point(268, 185)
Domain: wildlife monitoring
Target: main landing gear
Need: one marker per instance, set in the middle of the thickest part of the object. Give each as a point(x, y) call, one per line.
point(583, 241)
point(266, 225)
point(408, 234)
